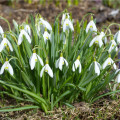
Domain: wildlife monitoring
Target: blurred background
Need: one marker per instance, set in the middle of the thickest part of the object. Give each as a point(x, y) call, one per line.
point(105, 11)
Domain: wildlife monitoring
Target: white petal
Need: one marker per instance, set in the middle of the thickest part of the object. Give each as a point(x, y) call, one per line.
point(71, 25)
point(41, 73)
point(97, 70)
point(105, 63)
point(92, 42)
point(114, 65)
point(118, 78)
point(27, 29)
point(50, 72)
point(10, 69)
point(32, 61)
point(3, 67)
point(10, 46)
point(65, 62)
point(57, 63)
point(100, 42)
point(48, 26)
point(1, 30)
point(20, 38)
point(41, 62)
point(2, 45)
point(27, 36)
point(61, 62)
point(73, 67)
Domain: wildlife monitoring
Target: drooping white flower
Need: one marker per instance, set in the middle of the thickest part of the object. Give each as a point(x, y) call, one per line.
point(44, 24)
point(33, 60)
point(109, 61)
point(64, 16)
point(67, 25)
point(4, 43)
point(46, 36)
point(77, 64)
point(103, 37)
point(47, 69)
point(96, 67)
point(27, 29)
point(91, 26)
point(60, 62)
point(118, 76)
point(23, 33)
point(8, 67)
point(117, 37)
point(113, 46)
point(96, 40)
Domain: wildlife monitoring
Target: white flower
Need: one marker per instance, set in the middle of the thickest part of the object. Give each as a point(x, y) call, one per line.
point(27, 29)
point(46, 36)
point(47, 69)
point(113, 46)
point(109, 61)
point(20, 38)
point(67, 25)
point(64, 16)
point(117, 37)
point(96, 67)
point(60, 62)
point(118, 76)
point(103, 37)
point(45, 24)
point(91, 26)
point(33, 60)
point(8, 67)
point(96, 40)
point(77, 64)
point(4, 43)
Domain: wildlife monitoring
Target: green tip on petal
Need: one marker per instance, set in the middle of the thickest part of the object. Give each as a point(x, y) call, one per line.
point(6, 59)
point(78, 57)
point(91, 17)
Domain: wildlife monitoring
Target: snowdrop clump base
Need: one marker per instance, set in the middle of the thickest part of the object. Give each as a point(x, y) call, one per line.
point(54, 65)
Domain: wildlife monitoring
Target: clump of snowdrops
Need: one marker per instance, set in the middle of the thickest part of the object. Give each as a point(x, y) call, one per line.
point(54, 65)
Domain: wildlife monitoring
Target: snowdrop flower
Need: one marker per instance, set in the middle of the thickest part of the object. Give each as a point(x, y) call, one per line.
point(4, 43)
point(102, 34)
point(64, 16)
point(77, 64)
point(91, 26)
point(113, 46)
point(118, 76)
point(8, 67)
point(33, 60)
point(96, 40)
point(47, 69)
point(109, 61)
point(61, 61)
point(96, 67)
point(27, 29)
point(67, 25)
point(46, 36)
point(45, 24)
point(23, 33)
point(117, 37)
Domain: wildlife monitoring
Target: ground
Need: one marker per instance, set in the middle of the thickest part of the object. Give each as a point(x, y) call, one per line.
point(104, 108)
